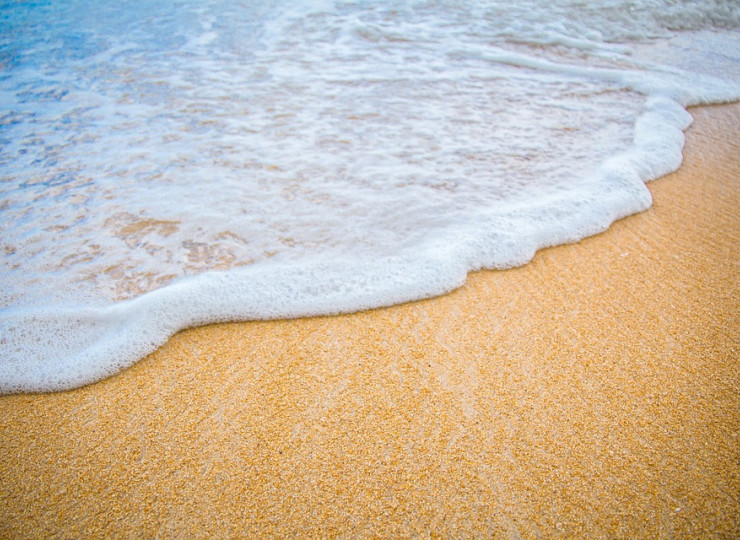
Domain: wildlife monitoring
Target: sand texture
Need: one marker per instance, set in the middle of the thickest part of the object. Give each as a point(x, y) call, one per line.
point(594, 392)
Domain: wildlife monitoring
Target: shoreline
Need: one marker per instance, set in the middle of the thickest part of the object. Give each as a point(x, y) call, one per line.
point(592, 392)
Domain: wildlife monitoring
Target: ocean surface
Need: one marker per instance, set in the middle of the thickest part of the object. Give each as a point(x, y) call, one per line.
point(168, 163)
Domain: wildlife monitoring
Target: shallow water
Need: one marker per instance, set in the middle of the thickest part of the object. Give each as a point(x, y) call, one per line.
point(235, 160)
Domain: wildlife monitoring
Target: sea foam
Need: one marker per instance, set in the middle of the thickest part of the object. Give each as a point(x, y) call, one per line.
point(222, 161)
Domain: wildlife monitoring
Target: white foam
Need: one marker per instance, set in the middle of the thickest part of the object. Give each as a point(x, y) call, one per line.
point(330, 159)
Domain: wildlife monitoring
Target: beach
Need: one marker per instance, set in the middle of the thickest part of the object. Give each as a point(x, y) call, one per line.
point(593, 392)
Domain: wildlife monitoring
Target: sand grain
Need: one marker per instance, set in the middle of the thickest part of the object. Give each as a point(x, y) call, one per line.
point(594, 392)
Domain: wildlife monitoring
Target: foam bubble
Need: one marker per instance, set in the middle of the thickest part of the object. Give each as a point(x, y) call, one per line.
point(225, 161)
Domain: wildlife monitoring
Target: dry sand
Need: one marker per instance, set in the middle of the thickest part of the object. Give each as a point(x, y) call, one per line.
point(594, 392)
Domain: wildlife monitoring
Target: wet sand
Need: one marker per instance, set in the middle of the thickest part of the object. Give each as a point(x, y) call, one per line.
point(594, 392)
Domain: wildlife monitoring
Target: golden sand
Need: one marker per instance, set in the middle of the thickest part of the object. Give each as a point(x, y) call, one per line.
point(594, 392)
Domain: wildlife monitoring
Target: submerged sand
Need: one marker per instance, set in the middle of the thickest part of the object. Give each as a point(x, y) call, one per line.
point(593, 392)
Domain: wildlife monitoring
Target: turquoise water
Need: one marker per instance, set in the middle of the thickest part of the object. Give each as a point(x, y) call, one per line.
point(165, 164)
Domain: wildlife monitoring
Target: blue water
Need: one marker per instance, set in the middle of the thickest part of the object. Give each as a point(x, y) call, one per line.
point(165, 164)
